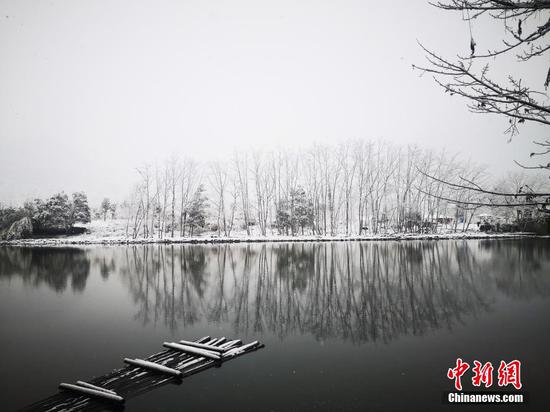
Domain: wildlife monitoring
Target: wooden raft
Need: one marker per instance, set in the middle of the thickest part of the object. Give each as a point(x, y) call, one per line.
point(109, 392)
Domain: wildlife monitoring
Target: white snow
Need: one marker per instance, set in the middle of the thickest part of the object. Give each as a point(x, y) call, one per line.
point(114, 232)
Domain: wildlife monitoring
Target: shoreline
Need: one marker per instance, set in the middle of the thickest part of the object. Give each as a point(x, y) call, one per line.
point(124, 241)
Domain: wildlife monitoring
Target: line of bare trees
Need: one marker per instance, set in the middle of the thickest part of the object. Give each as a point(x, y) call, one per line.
point(356, 188)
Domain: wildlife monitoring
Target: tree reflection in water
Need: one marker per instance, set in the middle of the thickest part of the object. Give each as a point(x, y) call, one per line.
point(53, 267)
point(361, 291)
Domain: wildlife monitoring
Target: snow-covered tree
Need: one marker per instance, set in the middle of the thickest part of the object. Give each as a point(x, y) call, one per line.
point(54, 214)
point(197, 211)
point(112, 210)
point(81, 210)
point(282, 217)
point(301, 210)
point(105, 207)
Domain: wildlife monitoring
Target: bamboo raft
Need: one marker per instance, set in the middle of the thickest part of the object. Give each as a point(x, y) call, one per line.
point(109, 392)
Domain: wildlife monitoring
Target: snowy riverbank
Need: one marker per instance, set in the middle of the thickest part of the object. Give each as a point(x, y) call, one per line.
point(113, 232)
point(95, 240)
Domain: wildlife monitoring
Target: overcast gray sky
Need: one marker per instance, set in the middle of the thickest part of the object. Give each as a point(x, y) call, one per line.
point(91, 89)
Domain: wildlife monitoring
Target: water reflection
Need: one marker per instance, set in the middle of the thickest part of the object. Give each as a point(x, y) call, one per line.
point(53, 267)
point(372, 291)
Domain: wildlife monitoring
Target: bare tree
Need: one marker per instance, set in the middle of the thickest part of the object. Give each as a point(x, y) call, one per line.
point(175, 176)
point(349, 166)
point(241, 169)
point(144, 192)
point(218, 180)
point(491, 198)
point(264, 185)
point(188, 183)
point(526, 26)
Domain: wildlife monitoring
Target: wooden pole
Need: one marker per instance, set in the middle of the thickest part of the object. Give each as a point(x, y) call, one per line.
point(153, 366)
point(193, 362)
point(194, 351)
point(97, 388)
point(211, 348)
point(241, 349)
point(91, 392)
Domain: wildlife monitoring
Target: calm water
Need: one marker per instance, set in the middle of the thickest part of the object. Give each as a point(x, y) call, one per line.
point(347, 326)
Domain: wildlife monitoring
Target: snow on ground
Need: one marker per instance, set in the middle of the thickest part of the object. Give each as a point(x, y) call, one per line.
point(114, 232)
